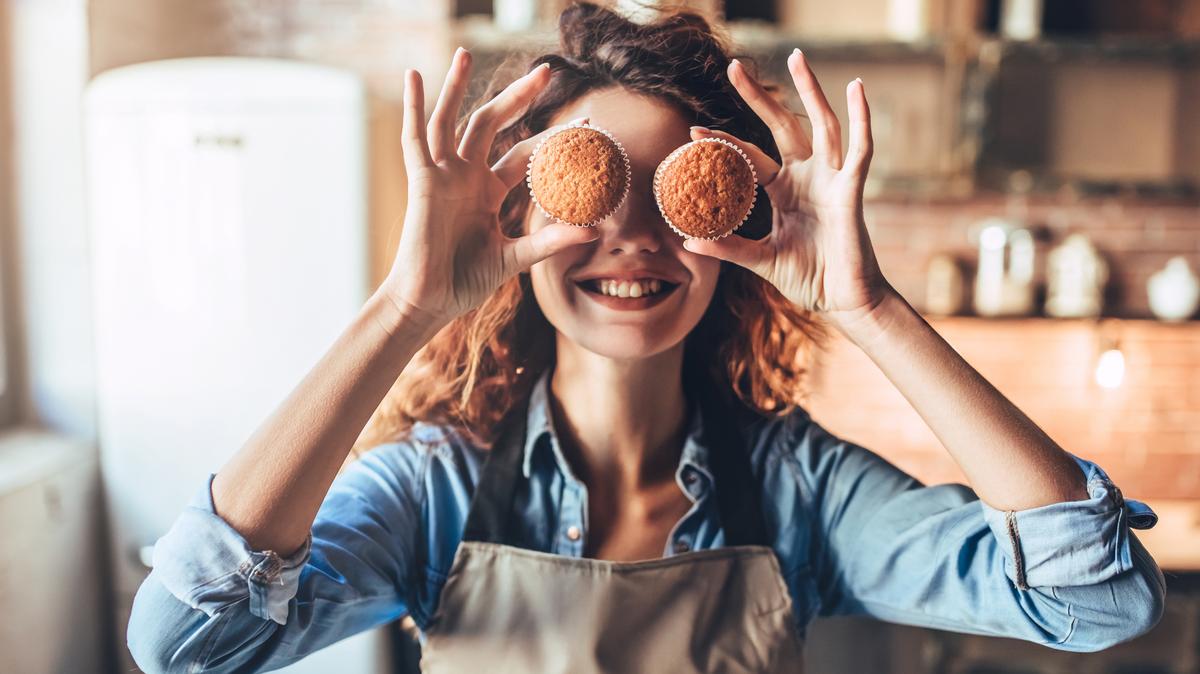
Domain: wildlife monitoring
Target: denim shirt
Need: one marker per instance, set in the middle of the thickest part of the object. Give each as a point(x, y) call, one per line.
point(853, 535)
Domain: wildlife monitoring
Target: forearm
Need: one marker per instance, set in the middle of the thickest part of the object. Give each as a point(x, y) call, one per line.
point(1010, 462)
point(270, 491)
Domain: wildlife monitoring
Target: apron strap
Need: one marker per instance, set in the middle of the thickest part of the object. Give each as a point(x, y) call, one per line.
point(488, 516)
point(738, 494)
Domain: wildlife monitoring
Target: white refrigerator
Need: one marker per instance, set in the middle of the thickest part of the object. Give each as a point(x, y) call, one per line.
point(228, 232)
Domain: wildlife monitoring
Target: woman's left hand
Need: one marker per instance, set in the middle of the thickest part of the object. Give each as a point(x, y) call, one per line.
point(818, 253)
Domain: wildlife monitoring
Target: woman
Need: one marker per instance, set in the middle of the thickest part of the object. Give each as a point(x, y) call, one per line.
point(572, 484)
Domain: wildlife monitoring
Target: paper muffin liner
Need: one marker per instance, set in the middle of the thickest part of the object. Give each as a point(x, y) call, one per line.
point(624, 164)
point(658, 172)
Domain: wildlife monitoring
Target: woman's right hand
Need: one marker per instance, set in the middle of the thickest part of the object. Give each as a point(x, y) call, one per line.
point(452, 254)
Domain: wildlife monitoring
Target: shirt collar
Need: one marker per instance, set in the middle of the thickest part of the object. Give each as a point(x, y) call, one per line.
point(540, 433)
point(695, 453)
point(539, 424)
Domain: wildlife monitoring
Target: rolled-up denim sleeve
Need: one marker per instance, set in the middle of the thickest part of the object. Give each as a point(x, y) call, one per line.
point(214, 604)
point(209, 566)
point(936, 556)
point(1072, 543)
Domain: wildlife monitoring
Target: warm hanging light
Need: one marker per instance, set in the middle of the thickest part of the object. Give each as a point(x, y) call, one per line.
point(1110, 369)
point(1110, 366)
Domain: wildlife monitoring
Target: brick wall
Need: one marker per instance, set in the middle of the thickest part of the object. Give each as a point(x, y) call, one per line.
point(1145, 433)
point(376, 38)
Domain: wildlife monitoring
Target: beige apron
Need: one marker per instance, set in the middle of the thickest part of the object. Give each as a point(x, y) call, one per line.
point(508, 609)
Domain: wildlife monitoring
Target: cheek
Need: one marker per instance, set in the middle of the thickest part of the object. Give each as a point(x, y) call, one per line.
point(550, 288)
point(542, 279)
point(705, 273)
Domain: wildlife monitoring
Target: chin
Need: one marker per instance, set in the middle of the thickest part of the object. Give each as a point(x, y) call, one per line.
point(622, 343)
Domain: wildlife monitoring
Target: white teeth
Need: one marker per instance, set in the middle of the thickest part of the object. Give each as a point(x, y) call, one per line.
point(629, 289)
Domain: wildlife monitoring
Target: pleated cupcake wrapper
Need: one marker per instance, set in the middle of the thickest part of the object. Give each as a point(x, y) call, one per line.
point(658, 173)
point(624, 164)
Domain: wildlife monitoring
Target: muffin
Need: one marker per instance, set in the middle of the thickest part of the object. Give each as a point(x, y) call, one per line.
point(705, 189)
point(578, 175)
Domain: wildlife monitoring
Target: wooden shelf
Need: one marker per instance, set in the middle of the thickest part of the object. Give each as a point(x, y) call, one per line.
point(1122, 49)
point(756, 37)
point(1175, 540)
point(1006, 323)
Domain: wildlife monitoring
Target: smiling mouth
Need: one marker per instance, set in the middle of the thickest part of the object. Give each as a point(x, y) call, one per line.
point(631, 289)
point(632, 294)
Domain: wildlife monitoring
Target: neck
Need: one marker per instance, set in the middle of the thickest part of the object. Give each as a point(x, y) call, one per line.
point(620, 423)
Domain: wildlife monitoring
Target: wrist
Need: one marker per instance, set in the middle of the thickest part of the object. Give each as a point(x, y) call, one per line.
point(401, 320)
point(874, 321)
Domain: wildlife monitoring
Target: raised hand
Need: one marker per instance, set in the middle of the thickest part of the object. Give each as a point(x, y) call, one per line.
point(818, 253)
point(452, 254)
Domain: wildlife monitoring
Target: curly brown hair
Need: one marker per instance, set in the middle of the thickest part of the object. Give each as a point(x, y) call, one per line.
point(751, 340)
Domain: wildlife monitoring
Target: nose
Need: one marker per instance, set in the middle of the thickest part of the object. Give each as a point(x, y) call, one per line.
point(635, 227)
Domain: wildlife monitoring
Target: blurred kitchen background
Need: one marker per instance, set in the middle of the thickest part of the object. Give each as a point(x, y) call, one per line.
point(171, 169)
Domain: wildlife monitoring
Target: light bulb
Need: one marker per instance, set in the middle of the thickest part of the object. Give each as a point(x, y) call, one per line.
point(1110, 369)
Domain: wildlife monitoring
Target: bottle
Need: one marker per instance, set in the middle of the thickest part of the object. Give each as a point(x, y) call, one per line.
point(1174, 291)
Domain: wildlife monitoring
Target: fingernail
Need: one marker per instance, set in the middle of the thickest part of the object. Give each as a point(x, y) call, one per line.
point(578, 120)
point(703, 131)
point(796, 52)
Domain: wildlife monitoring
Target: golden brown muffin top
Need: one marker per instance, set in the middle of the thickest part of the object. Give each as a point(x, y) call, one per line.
point(579, 175)
point(706, 190)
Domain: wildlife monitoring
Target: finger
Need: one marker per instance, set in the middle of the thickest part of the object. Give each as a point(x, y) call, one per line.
point(785, 127)
point(512, 166)
point(523, 252)
point(862, 145)
point(827, 133)
point(412, 134)
point(441, 124)
point(749, 253)
point(764, 166)
point(486, 121)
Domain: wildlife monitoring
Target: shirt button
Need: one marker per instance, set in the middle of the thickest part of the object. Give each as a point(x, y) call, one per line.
point(573, 532)
point(690, 477)
point(681, 547)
